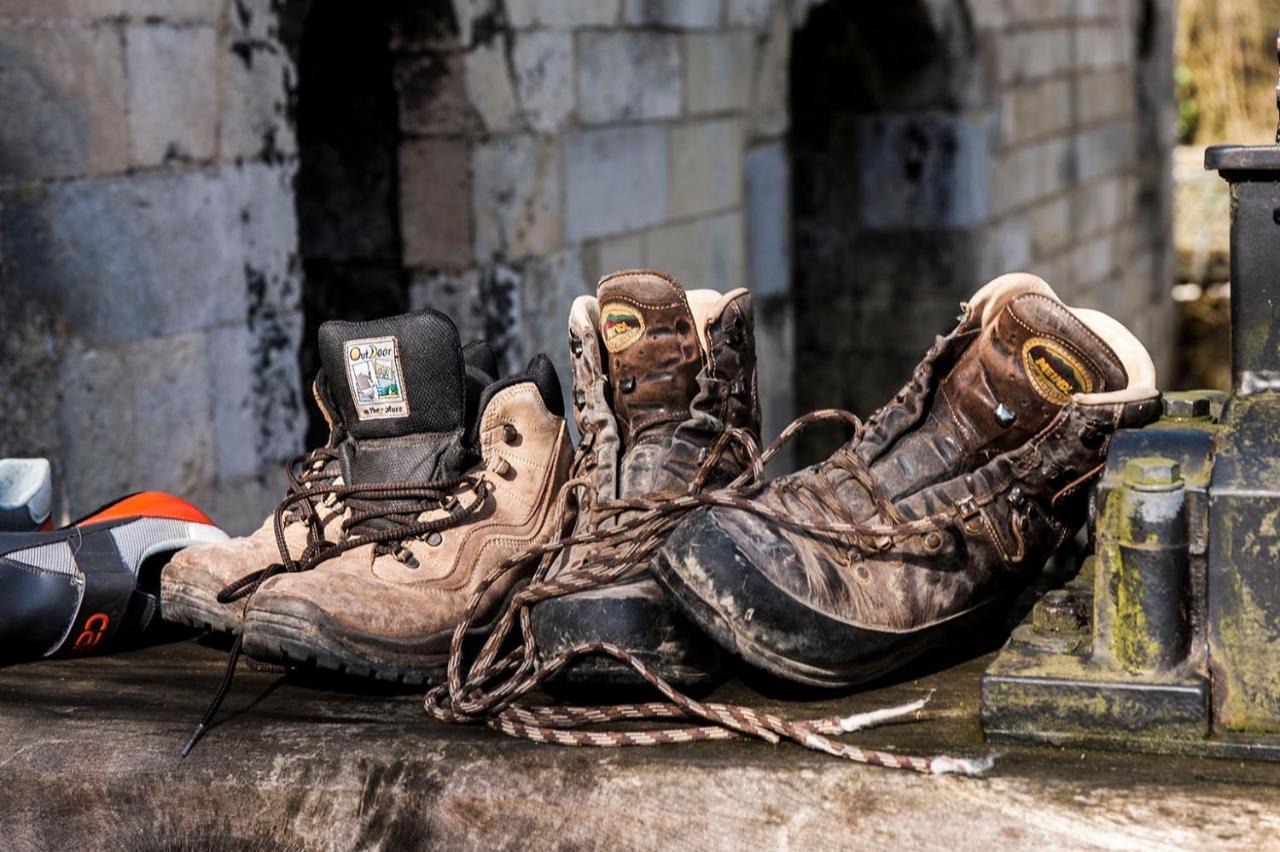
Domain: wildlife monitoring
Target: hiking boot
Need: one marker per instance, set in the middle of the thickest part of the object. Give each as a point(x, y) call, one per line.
point(194, 578)
point(955, 494)
point(416, 553)
point(658, 375)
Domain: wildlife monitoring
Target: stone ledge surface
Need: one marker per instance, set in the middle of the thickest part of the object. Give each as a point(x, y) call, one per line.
point(89, 759)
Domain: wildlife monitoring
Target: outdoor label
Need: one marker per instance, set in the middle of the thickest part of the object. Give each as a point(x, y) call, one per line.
point(1055, 373)
point(376, 378)
point(620, 325)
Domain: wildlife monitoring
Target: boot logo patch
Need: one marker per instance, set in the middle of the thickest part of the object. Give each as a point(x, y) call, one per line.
point(376, 378)
point(620, 325)
point(1055, 373)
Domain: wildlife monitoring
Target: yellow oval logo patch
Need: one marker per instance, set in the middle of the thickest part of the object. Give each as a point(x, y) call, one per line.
point(1055, 373)
point(620, 326)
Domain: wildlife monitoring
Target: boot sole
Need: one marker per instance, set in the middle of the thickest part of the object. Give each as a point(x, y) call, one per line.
point(308, 638)
point(181, 606)
point(637, 617)
point(719, 573)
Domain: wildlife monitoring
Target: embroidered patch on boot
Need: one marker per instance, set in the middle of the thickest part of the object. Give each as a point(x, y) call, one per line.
point(376, 378)
point(620, 325)
point(1055, 373)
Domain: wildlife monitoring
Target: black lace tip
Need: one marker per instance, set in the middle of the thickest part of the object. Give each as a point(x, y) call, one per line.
point(195, 736)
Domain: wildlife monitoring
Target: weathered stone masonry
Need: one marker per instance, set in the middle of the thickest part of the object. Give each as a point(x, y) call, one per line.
point(172, 172)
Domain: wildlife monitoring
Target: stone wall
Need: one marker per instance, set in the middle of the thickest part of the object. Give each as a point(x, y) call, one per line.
point(970, 140)
point(172, 173)
point(149, 283)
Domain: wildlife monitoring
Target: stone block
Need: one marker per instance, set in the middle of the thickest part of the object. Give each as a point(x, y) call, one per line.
point(922, 171)
point(614, 180)
point(627, 75)
point(1100, 206)
point(1050, 227)
point(1094, 262)
point(516, 197)
point(259, 399)
point(95, 425)
point(717, 71)
point(562, 14)
point(1104, 45)
point(1006, 247)
point(63, 98)
point(489, 87)
point(706, 166)
point(263, 219)
point(127, 258)
point(1040, 12)
point(679, 14)
point(1104, 149)
point(1107, 95)
point(748, 13)
point(550, 285)
point(1035, 110)
point(768, 219)
point(173, 108)
point(611, 254)
point(168, 379)
point(455, 294)
point(473, 20)
point(1030, 173)
point(258, 80)
point(171, 11)
point(1035, 53)
point(435, 202)
point(990, 15)
point(544, 78)
point(700, 253)
point(770, 94)
point(432, 91)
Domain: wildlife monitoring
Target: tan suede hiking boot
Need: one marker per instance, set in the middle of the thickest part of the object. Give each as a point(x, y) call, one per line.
point(194, 578)
point(389, 609)
point(659, 374)
point(942, 507)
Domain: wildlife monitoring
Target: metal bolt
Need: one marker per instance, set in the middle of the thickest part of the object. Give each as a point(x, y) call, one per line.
point(1060, 611)
point(1152, 473)
point(1185, 406)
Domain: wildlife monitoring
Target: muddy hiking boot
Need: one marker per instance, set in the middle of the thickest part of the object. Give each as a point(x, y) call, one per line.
point(443, 485)
point(658, 375)
point(193, 580)
point(946, 502)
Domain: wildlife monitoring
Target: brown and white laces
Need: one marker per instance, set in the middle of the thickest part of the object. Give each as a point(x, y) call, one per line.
point(488, 689)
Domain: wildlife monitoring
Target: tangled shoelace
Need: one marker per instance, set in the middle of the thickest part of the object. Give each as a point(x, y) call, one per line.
point(487, 690)
point(383, 514)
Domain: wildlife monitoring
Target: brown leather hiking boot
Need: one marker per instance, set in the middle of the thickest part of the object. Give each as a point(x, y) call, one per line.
point(191, 582)
point(944, 504)
point(659, 374)
point(388, 605)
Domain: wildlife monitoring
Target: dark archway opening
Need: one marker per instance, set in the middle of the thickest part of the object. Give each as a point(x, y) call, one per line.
point(347, 189)
point(888, 188)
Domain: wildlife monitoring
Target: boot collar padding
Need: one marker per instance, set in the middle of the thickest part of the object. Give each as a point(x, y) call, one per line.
point(706, 307)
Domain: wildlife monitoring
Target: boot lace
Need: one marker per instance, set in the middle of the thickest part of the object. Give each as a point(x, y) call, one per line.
point(488, 689)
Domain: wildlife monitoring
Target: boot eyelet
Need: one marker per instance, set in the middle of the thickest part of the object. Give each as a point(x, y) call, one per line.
point(627, 385)
point(575, 346)
point(863, 573)
point(580, 399)
point(1004, 415)
point(435, 539)
point(509, 433)
point(1016, 497)
point(933, 541)
point(503, 468)
point(406, 558)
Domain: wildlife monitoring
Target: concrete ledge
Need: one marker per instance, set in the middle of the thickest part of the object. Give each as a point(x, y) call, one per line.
point(89, 759)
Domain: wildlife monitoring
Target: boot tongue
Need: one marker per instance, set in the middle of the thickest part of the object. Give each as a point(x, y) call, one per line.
point(652, 354)
point(400, 389)
point(1024, 367)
